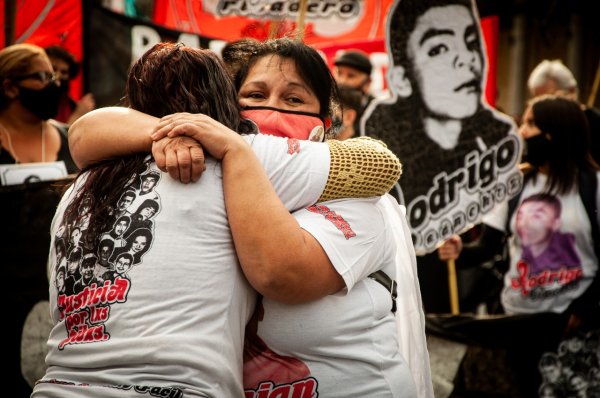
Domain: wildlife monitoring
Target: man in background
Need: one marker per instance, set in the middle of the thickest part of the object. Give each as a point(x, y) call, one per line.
point(350, 111)
point(353, 68)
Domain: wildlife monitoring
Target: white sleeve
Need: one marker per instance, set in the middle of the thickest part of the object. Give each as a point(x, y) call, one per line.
point(298, 170)
point(410, 318)
point(598, 198)
point(352, 233)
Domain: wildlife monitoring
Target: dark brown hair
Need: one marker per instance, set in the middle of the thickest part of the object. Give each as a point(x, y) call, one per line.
point(566, 124)
point(168, 78)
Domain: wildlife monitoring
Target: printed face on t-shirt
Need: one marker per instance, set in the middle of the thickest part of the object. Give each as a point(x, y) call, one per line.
point(72, 267)
point(121, 227)
point(550, 373)
point(147, 212)
point(124, 202)
point(104, 253)
point(87, 269)
point(122, 265)
point(139, 244)
point(535, 222)
point(60, 281)
point(148, 184)
point(76, 236)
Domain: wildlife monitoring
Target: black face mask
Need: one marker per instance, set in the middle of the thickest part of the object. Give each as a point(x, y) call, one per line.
point(42, 103)
point(64, 85)
point(537, 150)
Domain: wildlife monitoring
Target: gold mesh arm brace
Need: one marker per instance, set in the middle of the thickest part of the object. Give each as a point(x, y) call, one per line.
point(360, 167)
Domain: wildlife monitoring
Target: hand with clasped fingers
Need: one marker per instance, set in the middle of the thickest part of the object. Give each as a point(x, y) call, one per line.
point(180, 140)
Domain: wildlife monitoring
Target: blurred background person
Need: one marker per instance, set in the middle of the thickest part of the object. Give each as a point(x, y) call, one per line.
point(67, 68)
point(353, 68)
point(555, 133)
point(349, 112)
point(553, 77)
point(29, 98)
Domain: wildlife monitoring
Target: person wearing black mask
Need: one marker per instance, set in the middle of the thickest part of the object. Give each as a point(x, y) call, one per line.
point(28, 99)
point(562, 295)
point(67, 68)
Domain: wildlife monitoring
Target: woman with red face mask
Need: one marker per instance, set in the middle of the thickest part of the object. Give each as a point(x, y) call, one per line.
point(333, 333)
point(28, 99)
point(171, 319)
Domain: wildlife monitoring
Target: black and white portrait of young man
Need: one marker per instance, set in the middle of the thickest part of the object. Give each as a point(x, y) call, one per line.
point(459, 155)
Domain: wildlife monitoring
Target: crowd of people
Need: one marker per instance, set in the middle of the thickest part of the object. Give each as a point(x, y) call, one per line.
point(212, 241)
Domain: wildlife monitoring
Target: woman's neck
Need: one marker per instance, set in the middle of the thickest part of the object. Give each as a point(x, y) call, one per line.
point(25, 139)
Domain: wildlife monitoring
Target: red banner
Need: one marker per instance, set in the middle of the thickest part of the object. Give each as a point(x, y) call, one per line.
point(47, 23)
point(342, 21)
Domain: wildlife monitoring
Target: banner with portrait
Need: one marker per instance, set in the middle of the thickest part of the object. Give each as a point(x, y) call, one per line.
point(460, 156)
point(329, 26)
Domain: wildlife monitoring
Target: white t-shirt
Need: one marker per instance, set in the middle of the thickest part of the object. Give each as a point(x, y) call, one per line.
point(547, 270)
point(345, 344)
point(174, 324)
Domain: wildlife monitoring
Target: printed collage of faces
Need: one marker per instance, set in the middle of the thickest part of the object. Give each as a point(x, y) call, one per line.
point(83, 260)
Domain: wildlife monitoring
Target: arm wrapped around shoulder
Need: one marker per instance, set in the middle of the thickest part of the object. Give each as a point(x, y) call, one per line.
point(360, 167)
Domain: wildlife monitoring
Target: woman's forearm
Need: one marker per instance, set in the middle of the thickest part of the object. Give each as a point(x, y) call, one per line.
point(360, 167)
point(110, 132)
point(276, 254)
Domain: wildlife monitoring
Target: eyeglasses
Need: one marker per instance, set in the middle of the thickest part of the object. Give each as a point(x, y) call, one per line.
point(44, 77)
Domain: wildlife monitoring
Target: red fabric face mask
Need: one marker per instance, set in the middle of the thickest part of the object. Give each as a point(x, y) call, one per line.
point(284, 123)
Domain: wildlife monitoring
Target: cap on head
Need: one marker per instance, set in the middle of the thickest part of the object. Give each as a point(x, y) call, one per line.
point(354, 59)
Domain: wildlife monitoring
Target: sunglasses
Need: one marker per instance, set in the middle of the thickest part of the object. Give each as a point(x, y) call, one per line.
point(44, 77)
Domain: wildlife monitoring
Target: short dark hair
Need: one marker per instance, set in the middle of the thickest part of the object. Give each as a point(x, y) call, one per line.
point(566, 124)
point(106, 243)
point(127, 219)
point(153, 204)
point(126, 255)
point(129, 193)
point(62, 54)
